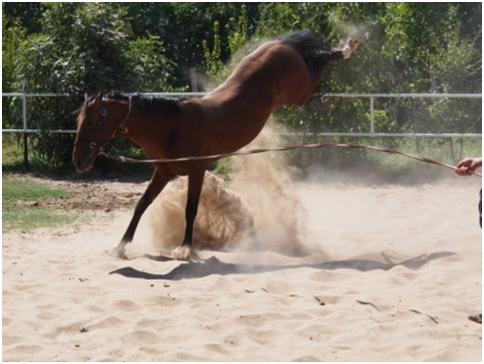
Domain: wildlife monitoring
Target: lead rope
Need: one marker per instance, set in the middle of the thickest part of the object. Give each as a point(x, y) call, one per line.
point(280, 149)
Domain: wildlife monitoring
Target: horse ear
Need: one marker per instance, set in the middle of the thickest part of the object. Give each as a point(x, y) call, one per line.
point(99, 96)
point(86, 95)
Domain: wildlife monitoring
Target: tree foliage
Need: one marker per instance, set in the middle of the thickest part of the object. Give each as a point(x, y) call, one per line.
point(408, 47)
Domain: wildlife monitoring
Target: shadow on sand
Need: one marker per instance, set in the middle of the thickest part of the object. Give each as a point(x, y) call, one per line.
point(214, 266)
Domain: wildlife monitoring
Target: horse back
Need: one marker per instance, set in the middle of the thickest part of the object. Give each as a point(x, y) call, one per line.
point(234, 113)
point(275, 72)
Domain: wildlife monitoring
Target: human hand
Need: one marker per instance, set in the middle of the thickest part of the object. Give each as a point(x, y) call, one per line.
point(468, 165)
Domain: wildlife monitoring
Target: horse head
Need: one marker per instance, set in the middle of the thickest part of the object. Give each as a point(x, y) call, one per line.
point(98, 120)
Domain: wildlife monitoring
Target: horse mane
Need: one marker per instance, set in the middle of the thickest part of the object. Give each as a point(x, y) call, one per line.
point(144, 103)
point(115, 95)
point(315, 52)
point(147, 104)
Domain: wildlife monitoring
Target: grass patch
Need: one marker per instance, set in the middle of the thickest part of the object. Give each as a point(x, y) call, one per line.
point(25, 219)
point(20, 189)
point(17, 190)
point(12, 152)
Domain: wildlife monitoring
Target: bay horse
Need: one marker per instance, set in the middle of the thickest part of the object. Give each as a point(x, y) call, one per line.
point(279, 72)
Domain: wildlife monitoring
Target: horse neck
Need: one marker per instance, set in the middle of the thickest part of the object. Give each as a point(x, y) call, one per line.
point(146, 129)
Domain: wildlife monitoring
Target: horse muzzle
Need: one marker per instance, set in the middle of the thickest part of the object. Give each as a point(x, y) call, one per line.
point(84, 164)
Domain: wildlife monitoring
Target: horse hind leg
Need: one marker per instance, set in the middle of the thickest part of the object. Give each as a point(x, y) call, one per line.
point(195, 182)
point(156, 185)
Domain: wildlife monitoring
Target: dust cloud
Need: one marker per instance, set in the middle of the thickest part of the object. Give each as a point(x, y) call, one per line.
point(350, 30)
point(223, 217)
point(255, 209)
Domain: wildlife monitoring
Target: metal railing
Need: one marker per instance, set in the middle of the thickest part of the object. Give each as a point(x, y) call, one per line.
point(371, 96)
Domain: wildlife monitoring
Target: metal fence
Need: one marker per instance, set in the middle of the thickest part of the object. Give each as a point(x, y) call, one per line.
point(25, 130)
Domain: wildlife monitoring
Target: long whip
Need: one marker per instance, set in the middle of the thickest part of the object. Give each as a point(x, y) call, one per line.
point(279, 149)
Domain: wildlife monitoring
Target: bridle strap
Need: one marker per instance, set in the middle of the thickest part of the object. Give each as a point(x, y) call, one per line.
point(122, 129)
point(127, 114)
point(94, 145)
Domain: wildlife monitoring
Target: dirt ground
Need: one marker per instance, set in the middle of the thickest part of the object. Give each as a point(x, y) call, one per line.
point(400, 274)
point(91, 194)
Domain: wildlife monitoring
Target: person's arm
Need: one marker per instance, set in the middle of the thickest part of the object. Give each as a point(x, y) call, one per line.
point(468, 165)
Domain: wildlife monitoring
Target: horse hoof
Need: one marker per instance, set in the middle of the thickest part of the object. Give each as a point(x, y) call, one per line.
point(181, 253)
point(117, 253)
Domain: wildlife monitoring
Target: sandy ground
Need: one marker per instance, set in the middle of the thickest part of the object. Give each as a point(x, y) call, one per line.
point(399, 274)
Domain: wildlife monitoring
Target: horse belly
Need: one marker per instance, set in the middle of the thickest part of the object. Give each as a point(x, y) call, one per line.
point(235, 126)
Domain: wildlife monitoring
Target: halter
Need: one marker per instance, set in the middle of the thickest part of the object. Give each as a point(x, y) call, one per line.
point(120, 129)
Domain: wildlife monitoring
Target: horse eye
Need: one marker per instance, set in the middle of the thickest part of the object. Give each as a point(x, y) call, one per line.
point(103, 112)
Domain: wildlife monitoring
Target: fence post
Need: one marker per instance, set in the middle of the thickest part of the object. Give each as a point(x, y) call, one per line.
point(24, 118)
point(372, 114)
point(194, 79)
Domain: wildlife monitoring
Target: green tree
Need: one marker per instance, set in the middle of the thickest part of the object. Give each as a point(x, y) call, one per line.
point(213, 62)
point(27, 15)
point(149, 69)
point(238, 30)
point(82, 47)
point(408, 47)
point(13, 36)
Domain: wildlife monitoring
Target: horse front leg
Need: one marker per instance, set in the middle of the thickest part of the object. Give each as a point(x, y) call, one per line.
point(157, 183)
point(195, 182)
